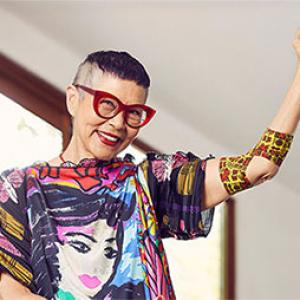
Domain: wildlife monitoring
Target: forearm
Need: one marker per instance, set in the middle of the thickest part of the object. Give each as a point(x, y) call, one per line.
point(20, 295)
point(287, 118)
point(228, 175)
point(12, 289)
point(285, 121)
point(262, 162)
point(32, 297)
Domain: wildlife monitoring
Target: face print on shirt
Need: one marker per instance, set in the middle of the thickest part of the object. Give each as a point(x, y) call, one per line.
point(87, 256)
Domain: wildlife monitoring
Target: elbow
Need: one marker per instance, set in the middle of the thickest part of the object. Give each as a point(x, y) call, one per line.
point(271, 171)
point(260, 170)
point(268, 174)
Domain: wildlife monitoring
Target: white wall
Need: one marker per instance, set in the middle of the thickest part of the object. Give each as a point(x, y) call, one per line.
point(268, 243)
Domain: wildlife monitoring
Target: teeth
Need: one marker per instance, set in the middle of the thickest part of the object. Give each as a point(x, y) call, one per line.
point(110, 138)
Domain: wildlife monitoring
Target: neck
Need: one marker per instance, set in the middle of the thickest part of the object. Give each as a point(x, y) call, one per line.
point(74, 152)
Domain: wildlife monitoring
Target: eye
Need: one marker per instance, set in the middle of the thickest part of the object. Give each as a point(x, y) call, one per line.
point(107, 106)
point(136, 112)
point(79, 246)
point(136, 115)
point(111, 253)
point(108, 102)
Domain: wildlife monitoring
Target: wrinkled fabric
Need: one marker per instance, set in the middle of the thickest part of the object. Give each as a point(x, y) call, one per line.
point(94, 231)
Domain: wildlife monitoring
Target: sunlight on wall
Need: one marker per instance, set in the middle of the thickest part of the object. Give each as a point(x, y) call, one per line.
point(195, 265)
point(25, 137)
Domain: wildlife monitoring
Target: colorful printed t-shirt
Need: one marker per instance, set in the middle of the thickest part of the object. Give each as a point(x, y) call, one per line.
point(94, 230)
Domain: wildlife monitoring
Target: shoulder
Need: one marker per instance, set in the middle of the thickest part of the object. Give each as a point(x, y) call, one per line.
point(173, 160)
point(161, 165)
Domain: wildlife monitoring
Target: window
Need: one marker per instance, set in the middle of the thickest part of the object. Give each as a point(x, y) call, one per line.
point(25, 137)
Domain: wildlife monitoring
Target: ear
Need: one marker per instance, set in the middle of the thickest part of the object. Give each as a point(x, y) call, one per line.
point(72, 99)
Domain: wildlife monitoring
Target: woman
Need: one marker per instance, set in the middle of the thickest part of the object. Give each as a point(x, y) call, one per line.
point(89, 225)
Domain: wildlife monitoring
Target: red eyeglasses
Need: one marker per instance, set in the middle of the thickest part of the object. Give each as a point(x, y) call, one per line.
point(108, 106)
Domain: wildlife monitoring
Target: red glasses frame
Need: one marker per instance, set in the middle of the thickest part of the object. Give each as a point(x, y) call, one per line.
point(98, 95)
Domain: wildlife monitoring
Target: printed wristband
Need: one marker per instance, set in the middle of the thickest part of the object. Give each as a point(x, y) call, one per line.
point(273, 145)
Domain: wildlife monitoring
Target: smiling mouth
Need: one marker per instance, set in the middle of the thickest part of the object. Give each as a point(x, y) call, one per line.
point(108, 139)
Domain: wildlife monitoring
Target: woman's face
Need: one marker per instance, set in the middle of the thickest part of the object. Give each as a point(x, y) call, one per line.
point(90, 131)
point(86, 257)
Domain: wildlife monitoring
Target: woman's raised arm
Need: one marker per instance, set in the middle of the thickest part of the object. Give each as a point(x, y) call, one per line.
point(226, 176)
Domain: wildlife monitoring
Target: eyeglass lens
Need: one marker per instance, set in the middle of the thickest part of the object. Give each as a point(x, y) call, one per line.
point(109, 107)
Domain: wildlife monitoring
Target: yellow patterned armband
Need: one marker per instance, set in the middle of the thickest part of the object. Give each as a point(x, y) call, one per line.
point(273, 145)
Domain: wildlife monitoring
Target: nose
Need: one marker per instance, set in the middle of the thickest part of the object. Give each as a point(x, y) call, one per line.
point(118, 121)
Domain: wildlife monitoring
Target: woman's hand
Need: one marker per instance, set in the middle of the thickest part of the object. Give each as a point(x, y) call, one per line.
point(296, 45)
